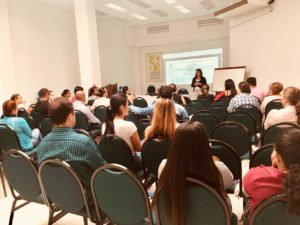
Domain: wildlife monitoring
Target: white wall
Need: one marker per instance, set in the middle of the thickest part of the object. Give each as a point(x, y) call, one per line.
point(269, 46)
point(44, 47)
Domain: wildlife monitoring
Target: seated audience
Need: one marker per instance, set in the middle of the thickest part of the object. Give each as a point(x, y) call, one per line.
point(77, 88)
point(163, 123)
point(51, 96)
point(290, 98)
point(20, 103)
point(93, 91)
point(115, 123)
point(79, 150)
point(151, 90)
point(66, 93)
point(229, 92)
point(79, 105)
point(179, 99)
point(243, 98)
point(205, 93)
point(282, 177)
point(43, 102)
point(101, 99)
point(255, 91)
point(28, 138)
point(189, 156)
point(127, 92)
point(273, 94)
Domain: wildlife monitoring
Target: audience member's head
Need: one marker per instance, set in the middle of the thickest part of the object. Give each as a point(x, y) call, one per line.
point(61, 112)
point(163, 122)
point(17, 98)
point(244, 87)
point(151, 90)
point(51, 96)
point(93, 91)
point(66, 93)
point(173, 87)
point(165, 92)
point(102, 92)
point(230, 86)
point(291, 96)
point(251, 81)
point(44, 94)
point(275, 88)
point(205, 89)
point(80, 96)
point(125, 90)
point(189, 156)
point(288, 158)
point(78, 88)
point(10, 108)
point(198, 74)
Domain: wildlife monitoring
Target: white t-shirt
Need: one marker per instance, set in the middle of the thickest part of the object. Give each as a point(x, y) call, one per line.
point(124, 129)
point(100, 101)
point(275, 116)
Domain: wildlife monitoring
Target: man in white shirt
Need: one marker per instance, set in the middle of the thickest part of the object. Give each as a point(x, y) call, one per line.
point(79, 105)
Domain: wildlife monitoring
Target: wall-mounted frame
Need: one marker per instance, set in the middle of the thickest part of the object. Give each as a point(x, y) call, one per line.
point(154, 64)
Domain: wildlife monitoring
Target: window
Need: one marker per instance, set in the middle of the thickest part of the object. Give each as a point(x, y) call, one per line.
point(180, 67)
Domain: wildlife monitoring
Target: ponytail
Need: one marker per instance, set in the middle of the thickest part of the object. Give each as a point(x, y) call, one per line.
point(292, 189)
point(110, 116)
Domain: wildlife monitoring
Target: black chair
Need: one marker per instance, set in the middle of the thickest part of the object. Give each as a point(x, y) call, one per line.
point(219, 110)
point(222, 102)
point(29, 121)
point(119, 194)
point(236, 135)
point(270, 135)
point(273, 211)
point(203, 206)
point(115, 150)
point(140, 102)
point(62, 187)
point(183, 91)
point(100, 113)
point(8, 139)
point(81, 121)
point(208, 119)
point(255, 112)
point(194, 107)
point(275, 104)
point(205, 102)
point(153, 152)
point(262, 156)
point(141, 127)
point(135, 117)
point(230, 158)
point(37, 118)
point(46, 126)
point(90, 102)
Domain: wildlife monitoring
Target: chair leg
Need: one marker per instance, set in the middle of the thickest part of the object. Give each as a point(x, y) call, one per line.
point(12, 212)
point(85, 220)
point(50, 218)
point(3, 181)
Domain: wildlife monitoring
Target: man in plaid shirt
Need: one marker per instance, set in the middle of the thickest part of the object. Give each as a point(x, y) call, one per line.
point(244, 98)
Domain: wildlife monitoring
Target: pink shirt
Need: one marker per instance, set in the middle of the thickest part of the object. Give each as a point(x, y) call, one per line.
point(258, 92)
point(263, 182)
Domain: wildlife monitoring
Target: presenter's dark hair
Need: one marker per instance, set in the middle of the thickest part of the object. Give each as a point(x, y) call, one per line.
point(65, 92)
point(116, 101)
point(199, 70)
point(78, 88)
point(244, 87)
point(59, 109)
point(251, 81)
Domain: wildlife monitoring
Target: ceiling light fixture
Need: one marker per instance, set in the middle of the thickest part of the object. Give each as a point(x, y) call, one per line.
point(170, 1)
point(182, 9)
point(115, 7)
point(137, 16)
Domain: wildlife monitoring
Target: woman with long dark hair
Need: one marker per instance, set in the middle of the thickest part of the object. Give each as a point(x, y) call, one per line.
point(229, 92)
point(197, 82)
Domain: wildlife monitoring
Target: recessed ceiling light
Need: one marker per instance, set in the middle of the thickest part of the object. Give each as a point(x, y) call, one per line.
point(115, 7)
point(182, 9)
point(170, 1)
point(137, 16)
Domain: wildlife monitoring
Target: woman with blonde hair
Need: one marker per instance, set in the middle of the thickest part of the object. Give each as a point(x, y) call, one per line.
point(163, 121)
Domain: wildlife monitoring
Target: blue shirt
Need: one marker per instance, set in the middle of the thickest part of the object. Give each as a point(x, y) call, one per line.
point(23, 131)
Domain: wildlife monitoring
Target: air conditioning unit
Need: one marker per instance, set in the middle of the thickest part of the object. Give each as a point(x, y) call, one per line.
point(242, 7)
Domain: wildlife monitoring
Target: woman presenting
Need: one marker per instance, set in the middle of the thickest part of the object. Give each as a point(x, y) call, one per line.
point(197, 82)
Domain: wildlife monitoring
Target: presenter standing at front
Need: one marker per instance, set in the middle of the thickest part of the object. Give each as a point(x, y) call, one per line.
point(197, 83)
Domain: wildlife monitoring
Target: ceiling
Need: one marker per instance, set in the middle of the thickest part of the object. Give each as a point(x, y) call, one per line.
point(155, 11)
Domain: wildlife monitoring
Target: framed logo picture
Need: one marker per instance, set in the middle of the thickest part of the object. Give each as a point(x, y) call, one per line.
point(154, 63)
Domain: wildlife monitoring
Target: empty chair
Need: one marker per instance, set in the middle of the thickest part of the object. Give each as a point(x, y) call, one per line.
point(273, 211)
point(141, 127)
point(208, 119)
point(203, 206)
point(236, 135)
point(183, 91)
point(219, 110)
point(81, 121)
point(135, 117)
point(194, 107)
point(270, 135)
point(120, 195)
point(262, 156)
point(100, 113)
point(140, 102)
point(255, 112)
point(230, 158)
point(46, 126)
point(37, 118)
point(8, 139)
point(275, 104)
point(62, 186)
point(153, 152)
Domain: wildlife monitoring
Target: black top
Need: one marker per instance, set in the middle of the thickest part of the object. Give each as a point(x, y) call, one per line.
point(42, 107)
point(202, 81)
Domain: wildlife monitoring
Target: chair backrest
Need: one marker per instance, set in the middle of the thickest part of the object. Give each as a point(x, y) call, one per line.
point(120, 195)
point(273, 211)
point(183, 91)
point(203, 206)
point(219, 110)
point(153, 152)
point(62, 186)
point(204, 101)
point(270, 135)
point(208, 119)
point(236, 135)
point(141, 127)
point(223, 102)
point(81, 121)
point(196, 106)
point(140, 102)
point(262, 156)
point(37, 118)
point(100, 113)
point(22, 175)
point(46, 126)
point(275, 104)
point(115, 150)
point(255, 112)
point(8, 139)
point(135, 117)
point(244, 118)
